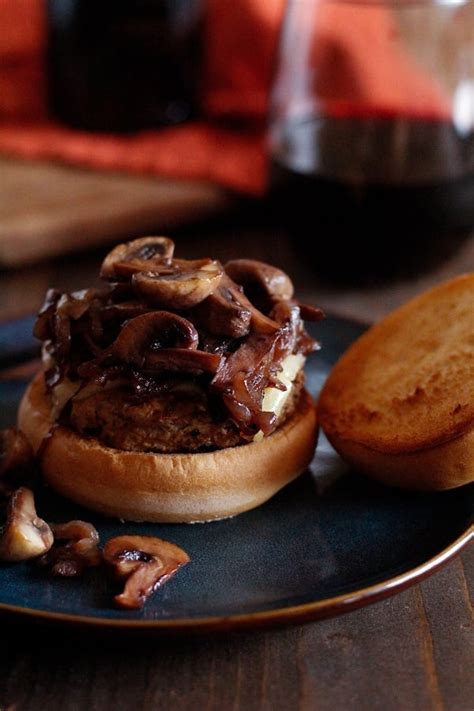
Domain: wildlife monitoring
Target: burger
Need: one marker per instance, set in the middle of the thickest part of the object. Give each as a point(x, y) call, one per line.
point(175, 392)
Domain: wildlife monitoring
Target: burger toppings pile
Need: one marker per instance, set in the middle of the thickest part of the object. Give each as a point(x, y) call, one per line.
point(141, 563)
point(172, 354)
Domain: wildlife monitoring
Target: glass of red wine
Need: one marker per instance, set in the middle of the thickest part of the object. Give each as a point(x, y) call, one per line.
point(371, 132)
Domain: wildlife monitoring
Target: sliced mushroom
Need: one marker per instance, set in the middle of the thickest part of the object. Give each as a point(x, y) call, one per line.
point(74, 531)
point(139, 255)
point(184, 360)
point(150, 332)
point(81, 550)
point(145, 562)
point(228, 312)
point(222, 314)
point(25, 535)
point(16, 456)
point(262, 283)
point(187, 286)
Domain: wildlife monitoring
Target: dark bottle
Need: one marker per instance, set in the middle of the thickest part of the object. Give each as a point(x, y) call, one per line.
point(123, 65)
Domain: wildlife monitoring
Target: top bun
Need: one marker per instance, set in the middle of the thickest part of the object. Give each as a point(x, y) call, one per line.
point(399, 404)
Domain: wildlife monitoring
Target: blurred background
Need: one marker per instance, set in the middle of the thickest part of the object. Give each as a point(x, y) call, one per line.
point(334, 138)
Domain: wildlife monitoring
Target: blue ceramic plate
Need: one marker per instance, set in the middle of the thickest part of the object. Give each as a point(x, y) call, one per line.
point(329, 542)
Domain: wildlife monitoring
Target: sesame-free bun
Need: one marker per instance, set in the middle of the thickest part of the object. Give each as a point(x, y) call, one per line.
point(399, 404)
point(143, 486)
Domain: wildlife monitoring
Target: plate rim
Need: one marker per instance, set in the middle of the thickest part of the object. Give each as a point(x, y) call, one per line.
point(296, 614)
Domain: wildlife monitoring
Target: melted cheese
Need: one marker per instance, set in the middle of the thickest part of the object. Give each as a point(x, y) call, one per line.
point(273, 399)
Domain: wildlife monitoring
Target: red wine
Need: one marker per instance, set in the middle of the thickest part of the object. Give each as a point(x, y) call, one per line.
point(368, 190)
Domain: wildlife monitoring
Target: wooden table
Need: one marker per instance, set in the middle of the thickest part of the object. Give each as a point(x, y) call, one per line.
point(412, 651)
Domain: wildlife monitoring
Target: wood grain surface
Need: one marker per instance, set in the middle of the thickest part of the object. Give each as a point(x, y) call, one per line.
point(49, 209)
point(411, 652)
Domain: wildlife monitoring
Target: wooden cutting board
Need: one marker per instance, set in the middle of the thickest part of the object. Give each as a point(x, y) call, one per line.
point(50, 209)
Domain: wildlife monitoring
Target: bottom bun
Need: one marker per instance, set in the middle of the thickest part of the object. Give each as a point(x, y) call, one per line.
point(142, 486)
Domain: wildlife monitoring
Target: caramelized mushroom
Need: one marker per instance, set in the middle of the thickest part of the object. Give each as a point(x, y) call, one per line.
point(80, 552)
point(310, 313)
point(16, 455)
point(142, 254)
point(150, 332)
point(124, 310)
point(262, 283)
point(25, 535)
point(184, 360)
point(74, 531)
point(222, 314)
point(145, 562)
point(186, 286)
point(228, 312)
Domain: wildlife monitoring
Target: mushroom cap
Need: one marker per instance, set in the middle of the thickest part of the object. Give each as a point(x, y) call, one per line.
point(184, 287)
point(138, 255)
point(150, 332)
point(259, 276)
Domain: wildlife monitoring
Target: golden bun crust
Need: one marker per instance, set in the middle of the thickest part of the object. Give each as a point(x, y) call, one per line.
point(399, 404)
point(167, 487)
point(444, 466)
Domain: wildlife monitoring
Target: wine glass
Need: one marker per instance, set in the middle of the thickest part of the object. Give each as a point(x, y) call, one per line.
point(372, 122)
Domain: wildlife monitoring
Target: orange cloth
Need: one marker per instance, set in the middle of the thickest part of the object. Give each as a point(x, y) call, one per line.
point(370, 70)
point(241, 37)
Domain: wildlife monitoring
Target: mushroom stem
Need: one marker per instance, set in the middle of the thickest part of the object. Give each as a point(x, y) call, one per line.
point(25, 535)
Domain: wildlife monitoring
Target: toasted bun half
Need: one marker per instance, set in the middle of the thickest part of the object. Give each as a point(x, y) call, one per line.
point(167, 487)
point(399, 404)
